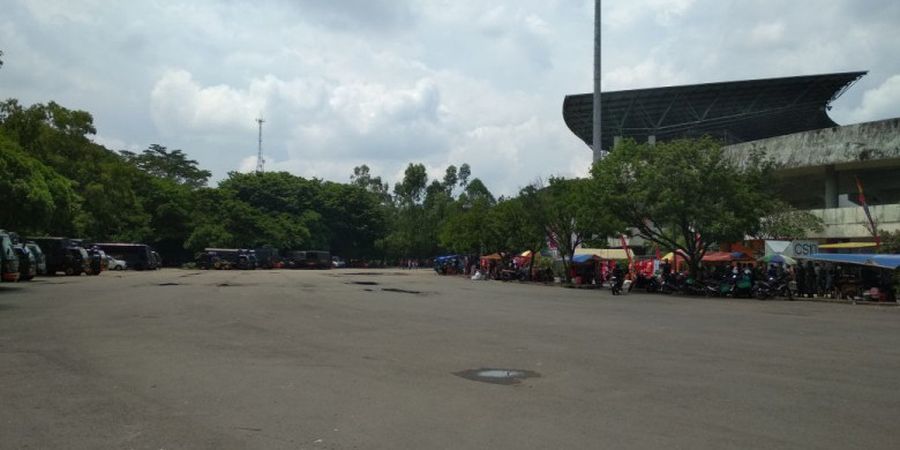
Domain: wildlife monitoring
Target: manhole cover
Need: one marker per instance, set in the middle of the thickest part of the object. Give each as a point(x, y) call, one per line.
point(497, 376)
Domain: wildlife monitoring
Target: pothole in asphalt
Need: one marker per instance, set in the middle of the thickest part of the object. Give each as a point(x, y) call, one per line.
point(364, 283)
point(167, 284)
point(402, 291)
point(497, 376)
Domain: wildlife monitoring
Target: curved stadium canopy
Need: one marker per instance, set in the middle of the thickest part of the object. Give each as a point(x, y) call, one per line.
point(736, 111)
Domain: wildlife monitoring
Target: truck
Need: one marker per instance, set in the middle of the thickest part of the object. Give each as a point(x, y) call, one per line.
point(227, 258)
point(308, 259)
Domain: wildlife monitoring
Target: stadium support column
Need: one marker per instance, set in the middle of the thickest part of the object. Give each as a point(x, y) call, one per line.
point(598, 136)
point(831, 187)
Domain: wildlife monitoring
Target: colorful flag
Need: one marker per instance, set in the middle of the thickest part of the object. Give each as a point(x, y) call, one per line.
point(873, 227)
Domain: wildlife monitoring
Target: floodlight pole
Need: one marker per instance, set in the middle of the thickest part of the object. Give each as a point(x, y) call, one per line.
point(260, 162)
point(597, 134)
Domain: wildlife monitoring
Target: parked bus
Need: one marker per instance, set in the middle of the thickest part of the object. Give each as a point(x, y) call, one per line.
point(136, 256)
point(63, 255)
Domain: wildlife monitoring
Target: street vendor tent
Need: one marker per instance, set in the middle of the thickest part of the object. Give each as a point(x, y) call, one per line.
point(726, 257)
point(584, 259)
point(493, 257)
point(891, 262)
point(603, 253)
point(671, 255)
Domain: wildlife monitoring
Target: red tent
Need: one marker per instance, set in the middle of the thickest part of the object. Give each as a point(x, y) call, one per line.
point(726, 257)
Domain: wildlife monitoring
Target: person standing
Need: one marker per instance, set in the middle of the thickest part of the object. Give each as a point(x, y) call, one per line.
point(810, 281)
point(800, 278)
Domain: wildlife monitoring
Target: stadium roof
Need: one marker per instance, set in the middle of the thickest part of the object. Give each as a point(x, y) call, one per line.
point(734, 111)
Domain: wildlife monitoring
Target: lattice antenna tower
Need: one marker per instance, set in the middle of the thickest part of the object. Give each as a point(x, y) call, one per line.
point(260, 162)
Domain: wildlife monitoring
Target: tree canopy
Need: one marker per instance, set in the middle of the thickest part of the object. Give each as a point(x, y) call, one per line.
point(683, 194)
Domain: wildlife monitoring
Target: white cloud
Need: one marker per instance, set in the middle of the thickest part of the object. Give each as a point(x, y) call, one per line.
point(767, 34)
point(178, 103)
point(627, 13)
point(60, 11)
point(647, 73)
point(880, 103)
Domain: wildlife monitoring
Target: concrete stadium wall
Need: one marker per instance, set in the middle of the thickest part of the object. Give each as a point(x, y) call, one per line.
point(852, 222)
point(862, 142)
point(820, 155)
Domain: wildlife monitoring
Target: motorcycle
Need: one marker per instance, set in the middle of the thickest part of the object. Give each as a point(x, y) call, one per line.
point(652, 285)
point(615, 285)
point(773, 287)
point(743, 286)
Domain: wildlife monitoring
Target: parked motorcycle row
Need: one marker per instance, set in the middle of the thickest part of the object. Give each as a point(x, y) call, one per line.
point(736, 285)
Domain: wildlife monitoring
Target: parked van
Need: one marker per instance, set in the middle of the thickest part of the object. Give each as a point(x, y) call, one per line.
point(9, 262)
point(39, 259)
point(136, 256)
point(96, 261)
point(27, 262)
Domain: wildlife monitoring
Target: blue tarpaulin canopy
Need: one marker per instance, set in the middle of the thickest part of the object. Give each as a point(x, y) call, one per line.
point(891, 262)
point(581, 259)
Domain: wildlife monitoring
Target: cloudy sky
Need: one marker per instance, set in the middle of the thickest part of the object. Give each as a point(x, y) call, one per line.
point(386, 82)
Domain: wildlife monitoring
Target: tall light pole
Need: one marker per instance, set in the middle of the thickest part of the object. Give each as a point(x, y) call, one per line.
point(598, 135)
point(260, 162)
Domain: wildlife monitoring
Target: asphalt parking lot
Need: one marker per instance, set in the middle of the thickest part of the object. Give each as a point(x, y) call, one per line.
point(351, 358)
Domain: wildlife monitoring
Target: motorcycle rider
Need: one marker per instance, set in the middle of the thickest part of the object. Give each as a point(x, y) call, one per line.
point(618, 279)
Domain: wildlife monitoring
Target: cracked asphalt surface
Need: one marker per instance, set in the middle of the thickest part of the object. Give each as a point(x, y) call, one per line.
point(363, 359)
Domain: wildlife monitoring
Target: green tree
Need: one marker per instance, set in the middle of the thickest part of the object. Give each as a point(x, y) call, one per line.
point(683, 194)
point(355, 220)
point(463, 175)
point(787, 222)
point(170, 165)
point(36, 199)
point(890, 242)
point(409, 238)
point(521, 222)
point(363, 178)
point(468, 227)
point(451, 178)
point(570, 218)
point(60, 138)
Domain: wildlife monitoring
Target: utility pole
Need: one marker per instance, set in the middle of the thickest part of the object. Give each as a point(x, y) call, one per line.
point(259, 156)
point(597, 133)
